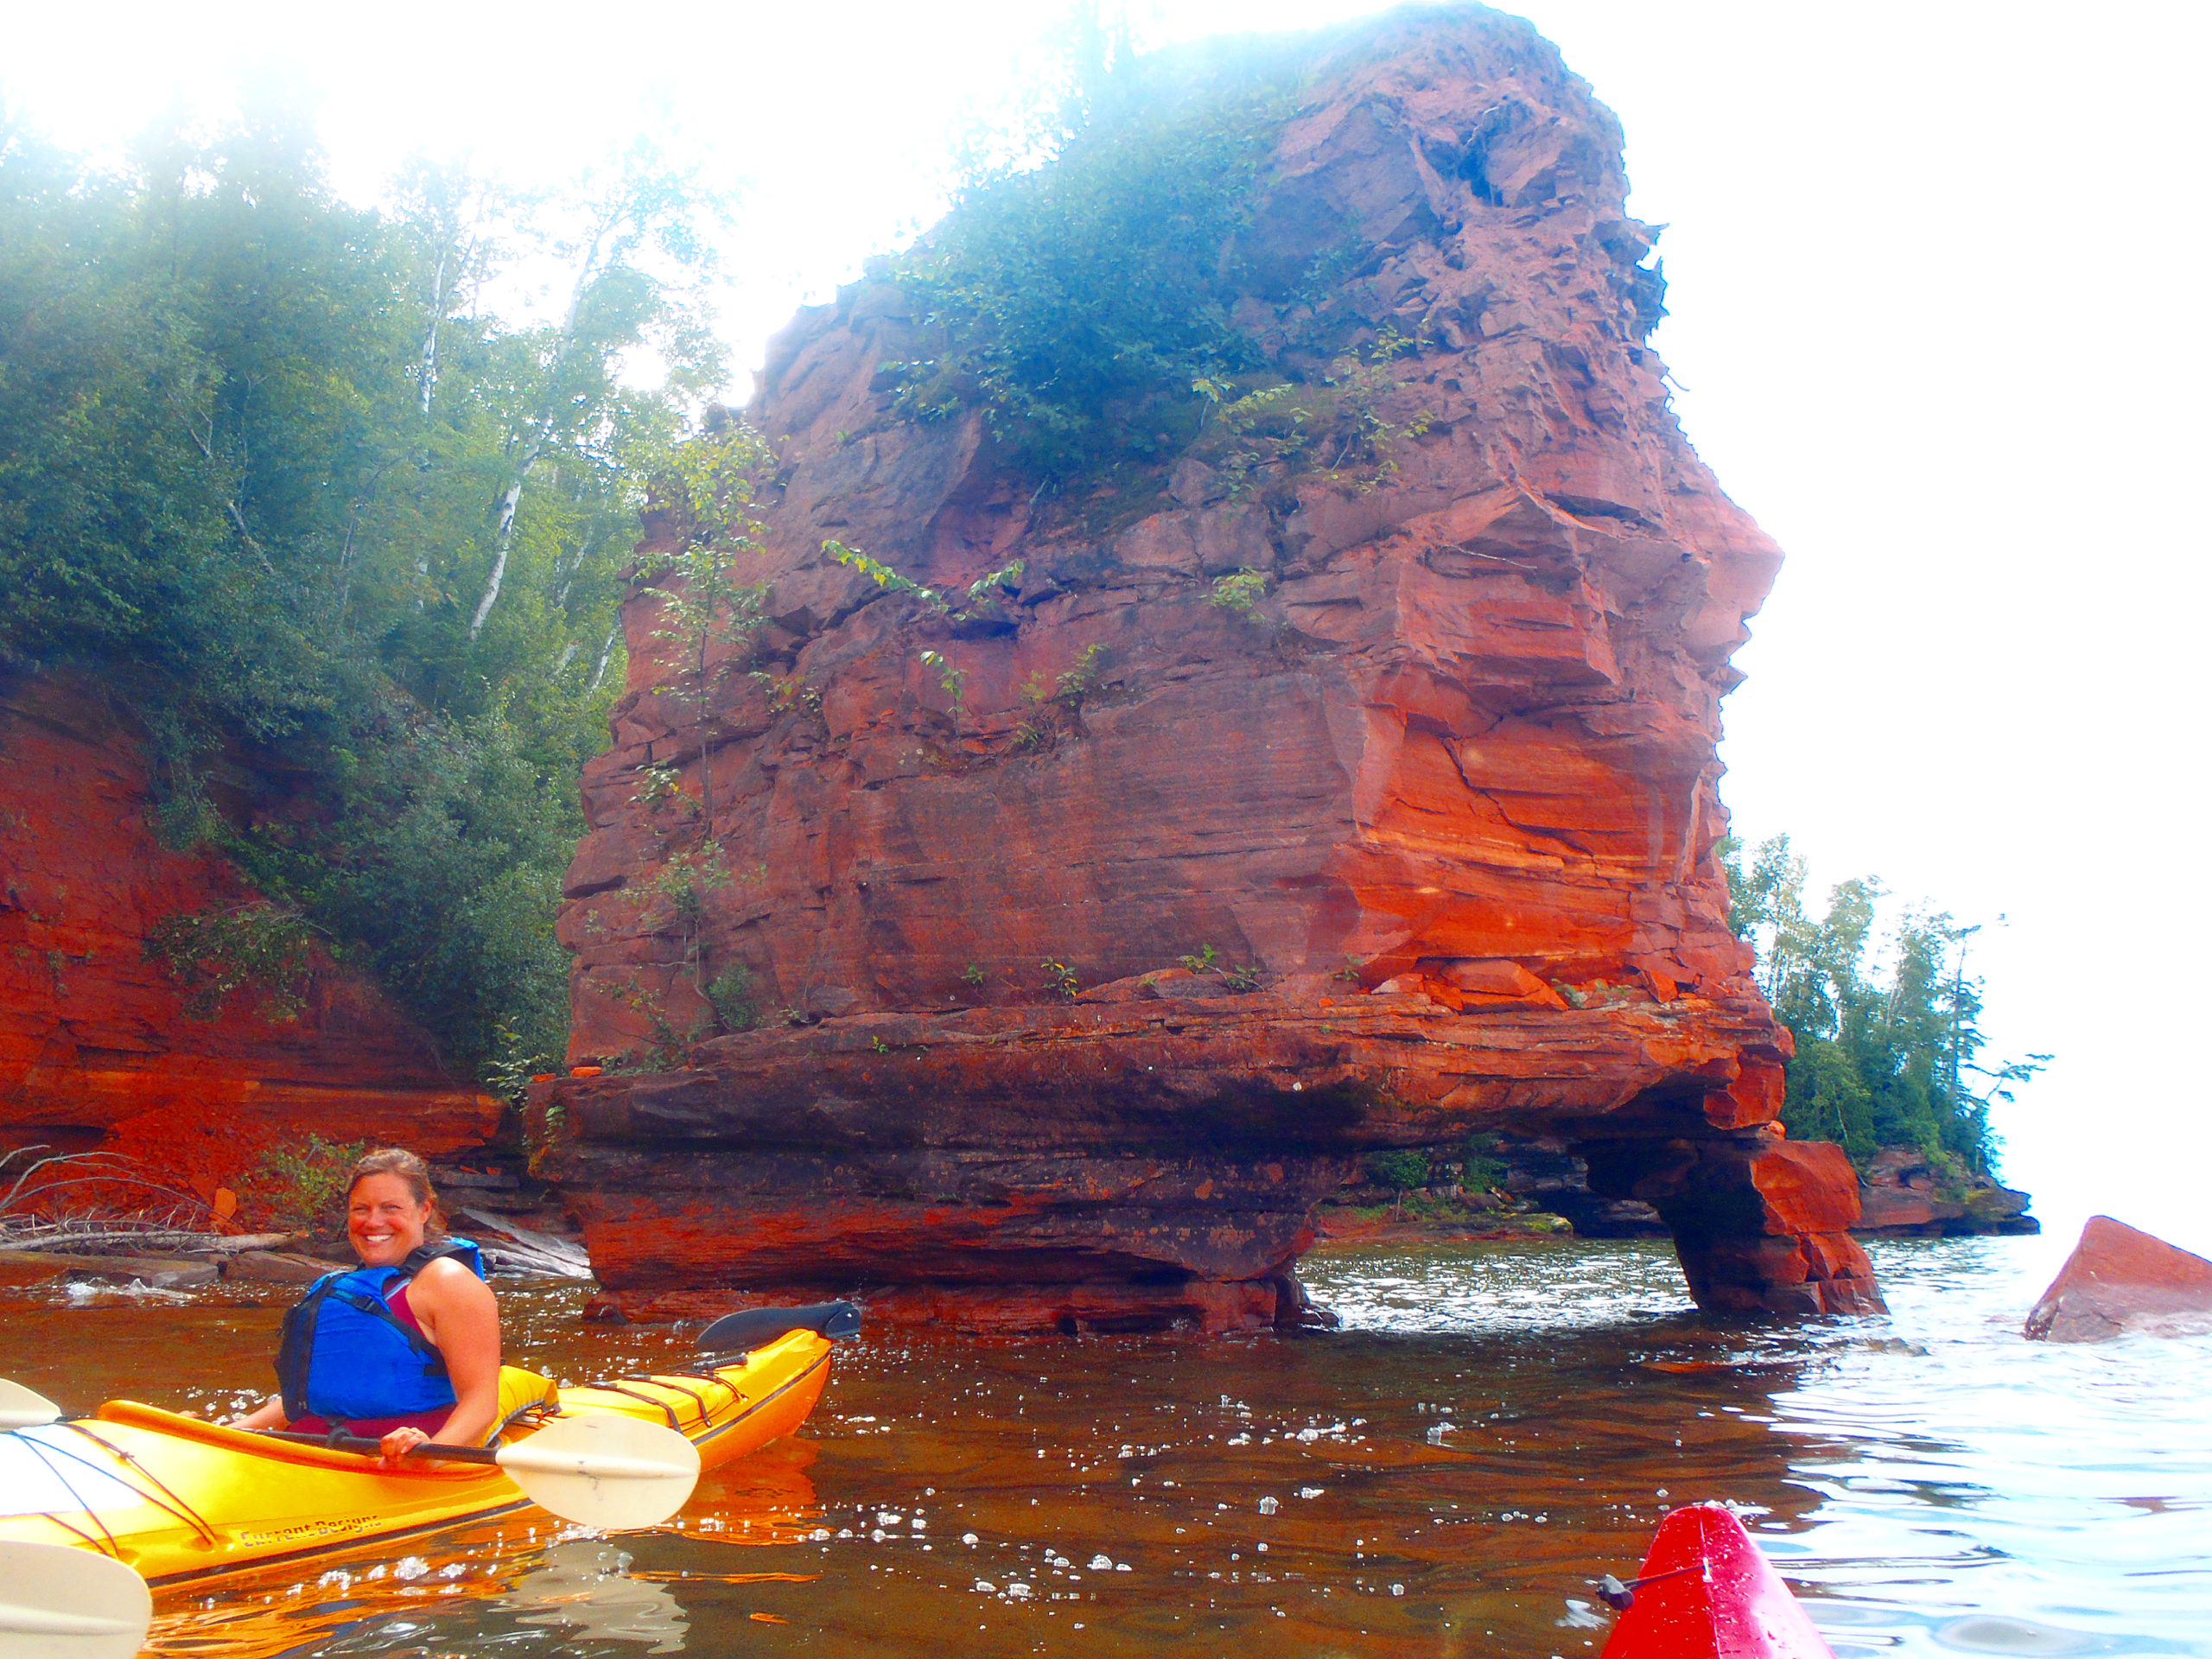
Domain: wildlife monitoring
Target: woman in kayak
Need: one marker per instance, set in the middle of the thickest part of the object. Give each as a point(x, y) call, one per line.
point(404, 1348)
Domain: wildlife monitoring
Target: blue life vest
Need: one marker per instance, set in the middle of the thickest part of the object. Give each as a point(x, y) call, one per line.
point(346, 1356)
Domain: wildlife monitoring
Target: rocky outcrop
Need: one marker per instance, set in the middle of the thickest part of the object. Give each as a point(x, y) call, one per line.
point(2119, 1279)
point(1902, 1195)
point(96, 1046)
point(1432, 821)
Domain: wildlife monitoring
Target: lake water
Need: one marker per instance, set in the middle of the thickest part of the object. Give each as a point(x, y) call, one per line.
point(1494, 1427)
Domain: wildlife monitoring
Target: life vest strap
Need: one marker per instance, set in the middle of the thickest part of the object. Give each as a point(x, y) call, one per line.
point(295, 1346)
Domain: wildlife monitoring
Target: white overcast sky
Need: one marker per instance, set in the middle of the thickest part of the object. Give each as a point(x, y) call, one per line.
point(1936, 271)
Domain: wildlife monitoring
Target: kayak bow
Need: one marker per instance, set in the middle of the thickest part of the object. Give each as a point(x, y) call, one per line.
point(1707, 1593)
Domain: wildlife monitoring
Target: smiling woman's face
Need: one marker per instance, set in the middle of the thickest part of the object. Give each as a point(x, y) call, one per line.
point(385, 1220)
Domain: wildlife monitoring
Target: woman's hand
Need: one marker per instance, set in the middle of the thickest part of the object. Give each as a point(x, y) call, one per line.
point(398, 1443)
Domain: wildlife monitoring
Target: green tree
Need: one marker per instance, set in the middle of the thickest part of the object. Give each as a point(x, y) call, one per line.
point(708, 614)
point(1399, 1171)
point(272, 470)
point(1083, 282)
point(615, 301)
point(1889, 1048)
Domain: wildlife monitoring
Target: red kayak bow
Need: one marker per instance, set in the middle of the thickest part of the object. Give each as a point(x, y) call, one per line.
point(1706, 1593)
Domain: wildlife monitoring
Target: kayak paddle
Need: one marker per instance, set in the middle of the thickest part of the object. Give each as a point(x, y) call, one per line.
point(756, 1327)
point(60, 1602)
point(20, 1408)
point(599, 1470)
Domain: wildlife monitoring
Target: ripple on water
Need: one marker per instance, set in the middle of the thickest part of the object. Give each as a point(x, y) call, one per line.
point(1496, 1425)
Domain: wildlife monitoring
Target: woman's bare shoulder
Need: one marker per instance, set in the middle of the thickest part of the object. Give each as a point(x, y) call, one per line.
point(448, 1276)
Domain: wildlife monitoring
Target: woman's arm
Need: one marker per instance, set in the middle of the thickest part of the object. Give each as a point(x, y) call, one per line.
point(270, 1413)
point(457, 1312)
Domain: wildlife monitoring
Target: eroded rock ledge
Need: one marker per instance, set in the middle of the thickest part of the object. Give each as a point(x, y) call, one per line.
point(1447, 797)
point(1153, 1162)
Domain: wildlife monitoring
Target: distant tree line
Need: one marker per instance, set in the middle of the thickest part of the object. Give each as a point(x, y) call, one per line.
point(1890, 1045)
point(276, 474)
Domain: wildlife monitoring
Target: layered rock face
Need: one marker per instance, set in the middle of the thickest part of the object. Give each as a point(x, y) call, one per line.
point(96, 1046)
point(1442, 802)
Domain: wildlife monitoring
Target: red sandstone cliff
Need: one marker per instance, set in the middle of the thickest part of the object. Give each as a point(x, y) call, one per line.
point(1449, 792)
point(96, 1047)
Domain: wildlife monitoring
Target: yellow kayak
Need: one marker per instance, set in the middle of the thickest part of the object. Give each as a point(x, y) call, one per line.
point(178, 1498)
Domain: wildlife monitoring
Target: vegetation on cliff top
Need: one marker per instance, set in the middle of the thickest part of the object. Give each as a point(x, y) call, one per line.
point(1888, 1046)
point(1085, 287)
point(1086, 304)
point(275, 477)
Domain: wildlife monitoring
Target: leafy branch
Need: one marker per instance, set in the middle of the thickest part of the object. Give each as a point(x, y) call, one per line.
point(703, 607)
point(213, 953)
point(989, 588)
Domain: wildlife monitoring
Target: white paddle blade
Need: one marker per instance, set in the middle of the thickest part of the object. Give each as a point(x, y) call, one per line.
point(20, 1408)
point(604, 1470)
point(60, 1602)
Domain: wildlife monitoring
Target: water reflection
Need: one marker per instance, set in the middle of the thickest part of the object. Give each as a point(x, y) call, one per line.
point(1995, 1496)
point(1495, 1426)
point(583, 1586)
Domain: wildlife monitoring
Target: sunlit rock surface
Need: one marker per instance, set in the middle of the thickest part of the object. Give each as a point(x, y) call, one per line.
point(1449, 794)
point(96, 1046)
point(2119, 1279)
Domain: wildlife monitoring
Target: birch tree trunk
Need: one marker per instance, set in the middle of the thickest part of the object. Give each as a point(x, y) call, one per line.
point(508, 503)
point(512, 500)
point(429, 376)
point(575, 568)
point(606, 652)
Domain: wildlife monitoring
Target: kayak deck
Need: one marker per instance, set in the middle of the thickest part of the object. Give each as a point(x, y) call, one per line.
point(179, 1498)
point(1707, 1593)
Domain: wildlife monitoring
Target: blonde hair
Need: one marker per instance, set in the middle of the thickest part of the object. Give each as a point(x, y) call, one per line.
point(396, 1160)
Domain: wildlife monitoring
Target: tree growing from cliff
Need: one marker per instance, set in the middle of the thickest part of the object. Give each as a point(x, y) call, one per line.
point(1889, 1042)
point(707, 615)
point(261, 465)
point(1089, 292)
point(256, 946)
point(1086, 303)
